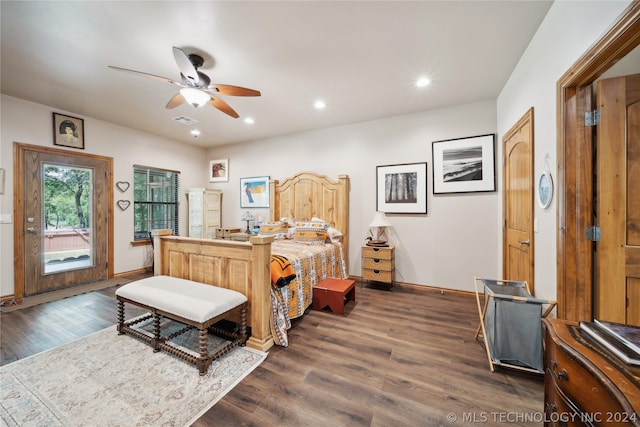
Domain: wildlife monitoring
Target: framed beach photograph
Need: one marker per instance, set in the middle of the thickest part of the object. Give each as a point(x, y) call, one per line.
point(464, 165)
point(219, 170)
point(68, 131)
point(402, 188)
point(254, 192)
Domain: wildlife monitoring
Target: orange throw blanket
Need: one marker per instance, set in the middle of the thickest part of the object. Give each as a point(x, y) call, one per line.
point(281, 274)
point(281, 271)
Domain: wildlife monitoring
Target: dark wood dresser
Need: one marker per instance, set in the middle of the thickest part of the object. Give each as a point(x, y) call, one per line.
point(584, 384)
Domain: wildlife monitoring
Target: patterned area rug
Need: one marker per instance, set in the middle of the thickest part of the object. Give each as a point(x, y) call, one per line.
point(106, 379)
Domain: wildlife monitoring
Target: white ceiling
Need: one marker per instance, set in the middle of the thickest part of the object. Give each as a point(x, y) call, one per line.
point(361, 57)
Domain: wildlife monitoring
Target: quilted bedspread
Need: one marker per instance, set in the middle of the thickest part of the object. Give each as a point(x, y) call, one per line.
point(312, 264)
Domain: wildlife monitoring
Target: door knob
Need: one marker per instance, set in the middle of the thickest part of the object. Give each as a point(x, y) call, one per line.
point(31, 230)
point(523, 242)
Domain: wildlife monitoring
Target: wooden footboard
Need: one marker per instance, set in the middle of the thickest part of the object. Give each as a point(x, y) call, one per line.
point(240, 266)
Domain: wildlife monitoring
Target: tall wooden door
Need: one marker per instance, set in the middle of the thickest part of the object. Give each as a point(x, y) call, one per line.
point(517, 245)
point(64, 219)
point(617, 296)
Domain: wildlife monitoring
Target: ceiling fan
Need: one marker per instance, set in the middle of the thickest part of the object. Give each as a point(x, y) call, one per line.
point(196, 88)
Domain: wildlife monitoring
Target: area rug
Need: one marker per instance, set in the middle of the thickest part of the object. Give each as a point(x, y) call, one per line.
point(106, 379)
point(30, 301)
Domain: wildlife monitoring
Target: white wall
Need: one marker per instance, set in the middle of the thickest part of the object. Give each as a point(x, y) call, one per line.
point(31, 123)
point(456, 240)
point(458, 237)
point(569, 29)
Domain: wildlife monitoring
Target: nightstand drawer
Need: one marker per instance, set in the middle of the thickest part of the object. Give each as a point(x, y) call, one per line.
point(377, 253)
point(377, 264)
point(377, 275)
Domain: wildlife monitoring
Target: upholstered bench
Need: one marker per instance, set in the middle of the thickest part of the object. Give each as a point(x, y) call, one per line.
point(333, 293)
point(195, 304)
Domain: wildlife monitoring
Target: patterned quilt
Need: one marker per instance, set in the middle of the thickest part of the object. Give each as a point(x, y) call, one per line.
point(312, 264)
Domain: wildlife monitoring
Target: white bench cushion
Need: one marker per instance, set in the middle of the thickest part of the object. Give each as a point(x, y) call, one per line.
point(185, 298)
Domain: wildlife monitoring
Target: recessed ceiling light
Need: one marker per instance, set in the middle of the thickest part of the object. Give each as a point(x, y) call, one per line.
point(422, 82)
point(195, 133)
point(249, 121)
point(319, 105)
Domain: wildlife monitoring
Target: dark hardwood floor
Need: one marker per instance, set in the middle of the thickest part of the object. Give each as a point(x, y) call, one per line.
point(402, 358)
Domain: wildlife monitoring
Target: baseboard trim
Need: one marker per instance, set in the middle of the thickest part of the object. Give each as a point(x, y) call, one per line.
point(426, 288)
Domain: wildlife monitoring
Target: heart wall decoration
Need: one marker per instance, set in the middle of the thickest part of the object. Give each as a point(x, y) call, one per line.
point(122, 185)
point(123, 204)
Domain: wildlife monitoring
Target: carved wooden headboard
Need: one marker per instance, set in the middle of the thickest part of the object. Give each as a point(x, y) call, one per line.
point(307, 195)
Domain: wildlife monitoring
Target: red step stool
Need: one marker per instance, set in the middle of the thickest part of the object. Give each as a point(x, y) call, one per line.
point(333, 293)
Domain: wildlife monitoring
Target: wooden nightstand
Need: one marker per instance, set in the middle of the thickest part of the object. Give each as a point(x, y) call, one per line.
point(378, 264)
point(225, 233)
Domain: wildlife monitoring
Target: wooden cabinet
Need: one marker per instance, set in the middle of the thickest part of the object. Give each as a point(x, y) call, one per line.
point(378, 264)
point(584, 384)
point(226, 232)
point(204, 212)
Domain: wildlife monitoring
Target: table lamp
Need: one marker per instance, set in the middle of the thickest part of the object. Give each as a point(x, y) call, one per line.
point(247, 217)
point(380, 224)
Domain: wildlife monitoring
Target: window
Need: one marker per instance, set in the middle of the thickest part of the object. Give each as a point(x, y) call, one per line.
point(155, 200)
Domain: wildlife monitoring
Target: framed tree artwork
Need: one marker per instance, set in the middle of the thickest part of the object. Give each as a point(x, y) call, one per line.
point(402, 188)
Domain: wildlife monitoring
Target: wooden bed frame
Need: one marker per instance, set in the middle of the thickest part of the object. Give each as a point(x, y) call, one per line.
point(245, 266)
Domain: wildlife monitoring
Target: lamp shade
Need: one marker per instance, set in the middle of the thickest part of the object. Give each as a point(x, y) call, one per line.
point(380, 220)
point(195, 97)
point(247, 217)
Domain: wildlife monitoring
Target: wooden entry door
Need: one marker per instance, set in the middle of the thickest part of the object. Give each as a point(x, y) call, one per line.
point(38, 229)
point(517, 245)
point(617, 295)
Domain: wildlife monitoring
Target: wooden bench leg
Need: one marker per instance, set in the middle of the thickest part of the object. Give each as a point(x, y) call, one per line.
point(204, 351)
point(243, 325)
point(120, 317)
point(157, 339)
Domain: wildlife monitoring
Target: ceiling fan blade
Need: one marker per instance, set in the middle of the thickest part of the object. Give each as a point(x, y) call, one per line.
point(152, 76)
point(224, 107)
point(185, 66)
point(176, 101)
point(234, 90)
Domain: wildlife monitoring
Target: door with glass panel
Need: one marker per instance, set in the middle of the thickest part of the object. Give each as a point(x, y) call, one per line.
point(65, 222)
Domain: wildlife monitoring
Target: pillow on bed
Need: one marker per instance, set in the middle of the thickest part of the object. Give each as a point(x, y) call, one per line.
point(335, 235)
point(277, 229)
point(314, 232)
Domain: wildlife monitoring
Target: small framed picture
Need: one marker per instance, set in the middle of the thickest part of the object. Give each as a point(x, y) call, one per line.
point(254, 192)
point(219, 170)
point(402, 188)
point(68, 131)
point(464, 165)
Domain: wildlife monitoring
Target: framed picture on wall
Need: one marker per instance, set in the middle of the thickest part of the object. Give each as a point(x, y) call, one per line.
point(254, 192)
point(68, 131)
point(402, 188)
point(219, 170)
point(464, 165)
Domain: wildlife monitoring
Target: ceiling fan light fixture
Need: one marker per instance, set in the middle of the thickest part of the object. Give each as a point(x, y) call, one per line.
point(195, 97)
